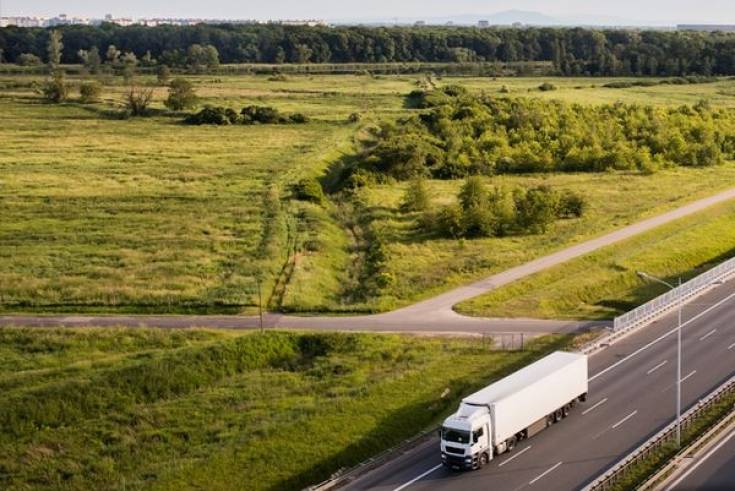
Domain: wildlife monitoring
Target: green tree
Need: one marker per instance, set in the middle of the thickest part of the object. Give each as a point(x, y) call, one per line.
point(129, 64)
point(163, 74)
point(54, 48)
point(90, 92)
point(56, 89)
point(181, 95)
point(112, 55)
point(416, 197)
point(138, 99)
point(473, 193)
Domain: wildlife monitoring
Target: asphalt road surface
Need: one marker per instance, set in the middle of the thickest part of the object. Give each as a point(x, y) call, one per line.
point(713, 470)
point(632, 396)
point(434, 315)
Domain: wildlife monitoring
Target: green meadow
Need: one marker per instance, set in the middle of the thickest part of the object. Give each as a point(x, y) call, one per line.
point(153, 409)
point(140, 215)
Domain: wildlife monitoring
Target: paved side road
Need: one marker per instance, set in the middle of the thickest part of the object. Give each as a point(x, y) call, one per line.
point(434, 315)
point(631, 397)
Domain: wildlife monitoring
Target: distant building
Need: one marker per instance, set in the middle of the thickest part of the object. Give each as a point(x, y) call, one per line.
point(420, 23)
point(483, 24)
point(65, 20)
point(707, 27)
point(23, 21)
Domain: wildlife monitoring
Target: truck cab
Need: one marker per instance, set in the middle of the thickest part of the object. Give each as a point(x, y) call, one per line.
point(465, 438)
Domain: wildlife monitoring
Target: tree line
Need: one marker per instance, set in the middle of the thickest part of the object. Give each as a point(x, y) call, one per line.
point(460, 134)
point(573, 51)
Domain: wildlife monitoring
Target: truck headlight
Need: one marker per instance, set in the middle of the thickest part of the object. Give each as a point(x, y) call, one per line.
point(468, 459)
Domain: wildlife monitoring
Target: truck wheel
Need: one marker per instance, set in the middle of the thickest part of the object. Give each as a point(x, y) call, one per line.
point(583, 397)
point(565, 411)
point(510, 444)
point(483, 460)
point(557, 416)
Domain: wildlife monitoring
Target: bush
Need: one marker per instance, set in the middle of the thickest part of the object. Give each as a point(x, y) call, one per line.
point(29, 59)
point(90, 92)
point(262, 115)
point(220, 116)
point(354, 118)
point(309, 189)
point(546, 87)
point(298, 118)
point(416, 197)
point(138, 99)
point(56, 90)
point(450, 222)
point(181, 95)
point(572, 205)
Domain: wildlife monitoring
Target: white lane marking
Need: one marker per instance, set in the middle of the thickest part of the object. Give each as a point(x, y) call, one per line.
point(594, 407)
point(625, 419)
point(516, 455)
point(685, 378)
point(546, 472)
point(657, 367)
point(701, 461)
point(731, 346)
point(664, 336)
point(418, 478)
point(708, 334)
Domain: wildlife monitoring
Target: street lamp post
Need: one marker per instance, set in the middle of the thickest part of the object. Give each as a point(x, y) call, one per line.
point(647, 276)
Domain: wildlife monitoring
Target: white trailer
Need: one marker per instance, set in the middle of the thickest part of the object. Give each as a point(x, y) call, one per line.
point(493, 420)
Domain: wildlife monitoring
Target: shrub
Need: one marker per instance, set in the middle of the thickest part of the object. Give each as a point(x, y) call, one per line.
point(261, 114)
point(181, 95)
point(450, 222)
point(163, 74)
point(309, 189)
point(546, 87)
point(138, 99)
point(298, 118)
point(90, 92)
point(354, 118)
point(220, 116)
point(571, 205)
point(29, 59)
point(416, 197)
point(56, 90)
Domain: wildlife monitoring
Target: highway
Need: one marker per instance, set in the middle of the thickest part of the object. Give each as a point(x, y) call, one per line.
point(632, 395)
point(713, 470)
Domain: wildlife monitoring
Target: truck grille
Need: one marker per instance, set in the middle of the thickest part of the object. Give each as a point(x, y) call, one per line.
point(457, 451)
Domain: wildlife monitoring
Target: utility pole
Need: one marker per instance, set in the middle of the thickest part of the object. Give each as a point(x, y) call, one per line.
point(680, 302)
point(260, 304)
point(678, 373)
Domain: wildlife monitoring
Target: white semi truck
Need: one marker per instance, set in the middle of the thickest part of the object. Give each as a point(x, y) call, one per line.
point(491, 421)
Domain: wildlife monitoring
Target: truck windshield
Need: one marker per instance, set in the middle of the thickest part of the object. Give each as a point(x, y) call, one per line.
point(455, 436)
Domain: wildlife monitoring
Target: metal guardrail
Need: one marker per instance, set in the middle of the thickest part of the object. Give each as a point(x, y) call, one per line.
point(648, 312)
point(619, 470)
point(344, 476)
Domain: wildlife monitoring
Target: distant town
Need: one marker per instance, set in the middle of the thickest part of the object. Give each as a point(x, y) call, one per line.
point(66, 20)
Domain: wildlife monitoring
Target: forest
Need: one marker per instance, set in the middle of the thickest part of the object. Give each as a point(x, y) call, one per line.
point(573, 51)
point(461, 134)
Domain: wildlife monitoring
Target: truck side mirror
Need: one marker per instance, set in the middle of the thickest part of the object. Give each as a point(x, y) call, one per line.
point(439, 433)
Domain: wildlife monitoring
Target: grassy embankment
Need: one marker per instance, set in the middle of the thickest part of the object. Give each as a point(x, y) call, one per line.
point(132, 409)
point(147, 215)
point(604, 284)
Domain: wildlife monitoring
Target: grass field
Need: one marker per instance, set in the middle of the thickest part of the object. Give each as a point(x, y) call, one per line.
point(604, 284)
point(147, 215)
point(132, 409)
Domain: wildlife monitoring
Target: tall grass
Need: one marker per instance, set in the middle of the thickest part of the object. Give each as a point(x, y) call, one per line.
point(224, 410)
point(604, 284)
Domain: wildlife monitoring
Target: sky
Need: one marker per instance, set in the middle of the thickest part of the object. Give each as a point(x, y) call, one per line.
point(653, 11)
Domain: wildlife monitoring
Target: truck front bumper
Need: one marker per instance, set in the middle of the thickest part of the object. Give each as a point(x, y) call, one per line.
point(460, 462)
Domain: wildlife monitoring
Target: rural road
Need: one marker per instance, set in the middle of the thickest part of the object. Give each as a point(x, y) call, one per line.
point(434, 315)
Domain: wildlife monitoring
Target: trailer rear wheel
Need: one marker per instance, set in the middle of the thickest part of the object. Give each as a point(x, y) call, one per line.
point(510, 444)
point(565, 411)
point(558, 415)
